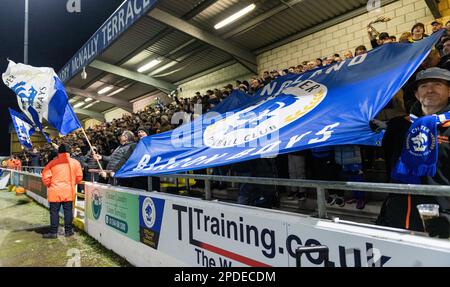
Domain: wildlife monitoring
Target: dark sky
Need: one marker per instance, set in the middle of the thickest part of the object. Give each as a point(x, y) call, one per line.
point(54, 37)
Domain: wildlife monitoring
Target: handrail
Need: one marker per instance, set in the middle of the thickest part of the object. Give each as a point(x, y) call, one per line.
point(320, 186)
point(37, 167)
point(435, 190)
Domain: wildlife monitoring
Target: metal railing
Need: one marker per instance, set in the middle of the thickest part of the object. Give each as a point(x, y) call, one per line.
point(32, 168)
point(320, 186)
point(28, 173)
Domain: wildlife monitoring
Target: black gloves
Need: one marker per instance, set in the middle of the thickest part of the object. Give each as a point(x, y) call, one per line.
point(438, 227)
point(377, 125)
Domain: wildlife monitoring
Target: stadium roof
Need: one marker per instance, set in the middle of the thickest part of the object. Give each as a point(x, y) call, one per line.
point(180, 42)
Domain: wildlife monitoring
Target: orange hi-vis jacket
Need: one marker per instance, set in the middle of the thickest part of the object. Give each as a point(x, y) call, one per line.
point(17, 164)
point(60, 176)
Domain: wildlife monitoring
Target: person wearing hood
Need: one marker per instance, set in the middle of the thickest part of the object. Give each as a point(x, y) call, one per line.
point(418, 152)
point(60, 176)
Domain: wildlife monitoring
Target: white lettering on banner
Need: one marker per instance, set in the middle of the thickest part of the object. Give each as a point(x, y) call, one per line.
point(316, 73)
point(335, 68)
point(195, 162)
point(298, 80)
point(143, 162)
point(177, 163)
point(164, 166)
point(296, 139)
point(241, 154)
point(358, 60)
point(269, 89)
point(326, 133)
point(284, 85)
point(267, 150)
point(158, 160)
point(211, 159)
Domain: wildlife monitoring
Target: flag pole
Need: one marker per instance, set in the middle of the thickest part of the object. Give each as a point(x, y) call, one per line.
point(93, 152)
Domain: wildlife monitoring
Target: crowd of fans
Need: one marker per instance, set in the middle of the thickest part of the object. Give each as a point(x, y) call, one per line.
point(114, 141)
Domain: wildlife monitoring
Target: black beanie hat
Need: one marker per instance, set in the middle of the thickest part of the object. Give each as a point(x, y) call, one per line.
point(144, 129)
point(63, 148)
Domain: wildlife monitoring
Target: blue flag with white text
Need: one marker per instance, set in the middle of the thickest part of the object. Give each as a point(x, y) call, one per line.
point(41, 94)
point(24, 128)
point(325, 107)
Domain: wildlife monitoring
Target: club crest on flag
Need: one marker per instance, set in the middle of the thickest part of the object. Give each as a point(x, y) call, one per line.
point(267, 117)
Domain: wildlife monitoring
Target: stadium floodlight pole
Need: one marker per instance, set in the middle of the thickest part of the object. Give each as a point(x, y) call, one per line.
point(25, 36)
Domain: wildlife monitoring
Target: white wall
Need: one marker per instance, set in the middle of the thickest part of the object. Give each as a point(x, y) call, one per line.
point(214, 80)
point(115, 114)
point(346, 35)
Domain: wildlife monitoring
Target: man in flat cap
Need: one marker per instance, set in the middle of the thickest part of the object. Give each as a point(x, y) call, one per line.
point(418, 152)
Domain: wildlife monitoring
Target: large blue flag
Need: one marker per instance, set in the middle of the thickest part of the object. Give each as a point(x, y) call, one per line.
point(325, 107)
point(24, 128)
point(41, 94)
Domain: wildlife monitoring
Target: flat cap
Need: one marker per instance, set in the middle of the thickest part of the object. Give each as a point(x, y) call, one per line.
point(433, 73)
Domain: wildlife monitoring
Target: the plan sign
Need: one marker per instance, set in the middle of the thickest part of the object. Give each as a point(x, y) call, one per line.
point(213, 234)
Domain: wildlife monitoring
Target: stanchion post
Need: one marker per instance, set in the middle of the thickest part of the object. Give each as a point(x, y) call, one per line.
point(208, 186)
point(321, 203)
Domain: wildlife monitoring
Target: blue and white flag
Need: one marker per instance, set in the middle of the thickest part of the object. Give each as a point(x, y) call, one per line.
point(41, 94)
point(326, 107)
point(24, 128)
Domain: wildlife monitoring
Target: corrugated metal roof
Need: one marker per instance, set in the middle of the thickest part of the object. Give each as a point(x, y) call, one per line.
point(178, 7)
point(188, 57)
point(225, 8)
point(197, 63)
point(136, 36)
point(300, 17)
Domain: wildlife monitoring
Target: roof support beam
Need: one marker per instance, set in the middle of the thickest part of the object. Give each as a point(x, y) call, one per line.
point(259, 19)
point(91, 114)
point(117, 102)
point(202, 6)
point(135, 76)
point(433, 6)
point(245, 57)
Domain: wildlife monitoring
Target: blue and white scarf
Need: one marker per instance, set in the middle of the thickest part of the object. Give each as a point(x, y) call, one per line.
point(420, 152)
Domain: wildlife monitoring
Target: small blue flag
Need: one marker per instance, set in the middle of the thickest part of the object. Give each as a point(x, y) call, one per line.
point(24, 128)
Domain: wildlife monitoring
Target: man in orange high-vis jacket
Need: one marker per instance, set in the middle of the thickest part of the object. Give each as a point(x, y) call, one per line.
point(61, 175)
point(17, 163)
